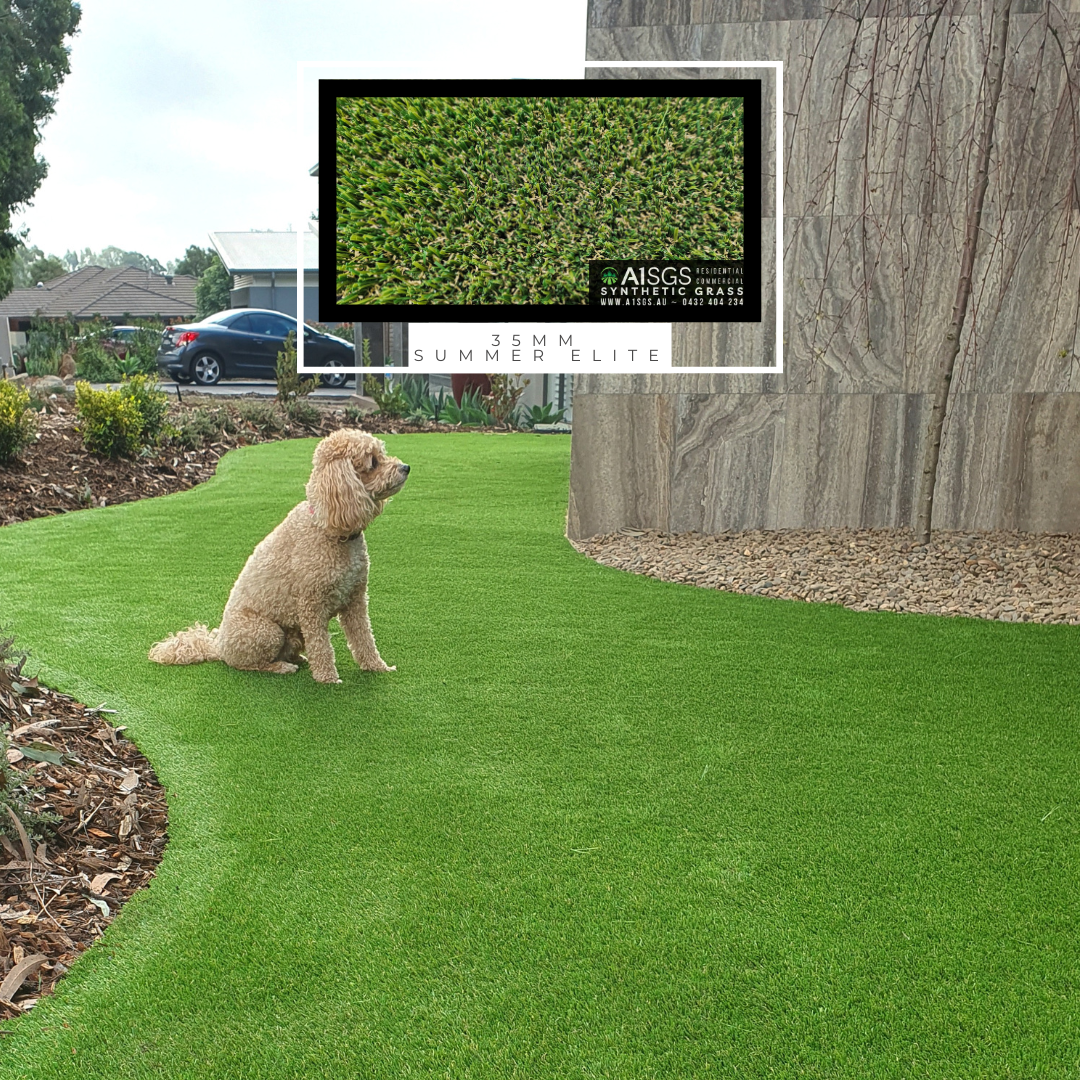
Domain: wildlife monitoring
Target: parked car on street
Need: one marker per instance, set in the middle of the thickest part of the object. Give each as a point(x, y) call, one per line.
point(243, 343)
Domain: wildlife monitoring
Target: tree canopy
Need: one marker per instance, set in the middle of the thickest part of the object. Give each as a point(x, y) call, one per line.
point(195, 261)
point(33, 63)
point(212, 290)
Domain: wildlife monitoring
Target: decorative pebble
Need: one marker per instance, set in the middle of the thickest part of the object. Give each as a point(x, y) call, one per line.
point(1001, 575)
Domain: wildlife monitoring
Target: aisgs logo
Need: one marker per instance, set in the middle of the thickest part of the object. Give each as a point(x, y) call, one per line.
point(655, 275)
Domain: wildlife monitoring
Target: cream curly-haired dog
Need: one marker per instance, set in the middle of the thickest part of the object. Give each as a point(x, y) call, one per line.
point(313, 566)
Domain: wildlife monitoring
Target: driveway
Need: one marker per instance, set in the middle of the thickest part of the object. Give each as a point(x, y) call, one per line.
point(242, 387)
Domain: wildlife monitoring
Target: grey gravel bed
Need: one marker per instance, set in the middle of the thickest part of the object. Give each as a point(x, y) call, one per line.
point(1007, 576)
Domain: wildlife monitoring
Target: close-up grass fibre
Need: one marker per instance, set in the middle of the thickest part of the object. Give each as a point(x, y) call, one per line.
point(595, 824)
point(505, 200)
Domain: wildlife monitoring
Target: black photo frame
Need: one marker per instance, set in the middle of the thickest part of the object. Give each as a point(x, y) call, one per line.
point(749, 270)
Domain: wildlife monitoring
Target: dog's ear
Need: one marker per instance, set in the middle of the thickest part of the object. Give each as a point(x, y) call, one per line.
point(340, 502)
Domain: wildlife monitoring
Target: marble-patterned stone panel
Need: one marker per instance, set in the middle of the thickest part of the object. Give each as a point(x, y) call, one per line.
point(612, 13)
point(644, 43)
point(620, 463)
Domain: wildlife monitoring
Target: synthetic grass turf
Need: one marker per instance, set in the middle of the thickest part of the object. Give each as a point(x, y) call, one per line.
point(505, 200)
point(594, 825)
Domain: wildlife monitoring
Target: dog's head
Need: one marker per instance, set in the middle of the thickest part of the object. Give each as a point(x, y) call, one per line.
point(352, 476)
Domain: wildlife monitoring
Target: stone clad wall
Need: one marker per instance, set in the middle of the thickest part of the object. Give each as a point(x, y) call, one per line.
point(879, 160)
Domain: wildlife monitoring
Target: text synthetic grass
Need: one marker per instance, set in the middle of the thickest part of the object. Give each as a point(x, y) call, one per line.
point(594, 825)
point(505, 200)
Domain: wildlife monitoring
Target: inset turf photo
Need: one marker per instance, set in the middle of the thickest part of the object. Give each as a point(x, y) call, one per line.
point(502, 201)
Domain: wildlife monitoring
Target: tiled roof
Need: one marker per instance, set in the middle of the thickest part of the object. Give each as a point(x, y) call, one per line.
point(251, 252)
point(110, 292)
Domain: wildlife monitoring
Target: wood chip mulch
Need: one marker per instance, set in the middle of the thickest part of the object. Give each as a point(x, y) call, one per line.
point(57, 474)
point(58, 895)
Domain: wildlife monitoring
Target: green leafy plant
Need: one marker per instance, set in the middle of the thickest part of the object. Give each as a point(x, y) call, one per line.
point(389, 400)
point(502, 402)
point(17, 421)
point(212, 291)
point(47, 341)
point(471, 412)
point(302, 411)
point(290, 384)
point(260, 415)
point(444, 200)
point(541, 414)
point(195, 428)
point(421, 404)
point(109, 422)
point(152, 403)
point(344, 331)
point(142, 350)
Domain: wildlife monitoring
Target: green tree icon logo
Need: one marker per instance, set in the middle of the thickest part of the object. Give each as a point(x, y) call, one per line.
point(609, 275)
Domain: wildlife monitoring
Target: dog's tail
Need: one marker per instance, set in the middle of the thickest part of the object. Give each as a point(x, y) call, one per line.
point(190, 646)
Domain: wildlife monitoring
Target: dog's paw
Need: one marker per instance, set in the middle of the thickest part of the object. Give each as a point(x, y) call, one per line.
point(324, 678)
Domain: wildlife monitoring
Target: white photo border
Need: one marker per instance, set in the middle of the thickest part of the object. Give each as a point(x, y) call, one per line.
point(303, 66)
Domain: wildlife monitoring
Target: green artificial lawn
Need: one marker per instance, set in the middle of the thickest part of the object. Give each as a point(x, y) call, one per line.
point(595, 825)
point(505, 200)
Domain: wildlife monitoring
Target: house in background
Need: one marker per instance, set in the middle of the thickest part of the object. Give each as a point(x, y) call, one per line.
point(263, 269)
point(118, 294)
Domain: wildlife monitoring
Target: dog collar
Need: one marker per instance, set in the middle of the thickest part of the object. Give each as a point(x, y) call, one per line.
point(341, 539)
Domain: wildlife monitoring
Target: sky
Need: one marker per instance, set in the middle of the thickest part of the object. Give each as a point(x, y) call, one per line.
point(182, 119)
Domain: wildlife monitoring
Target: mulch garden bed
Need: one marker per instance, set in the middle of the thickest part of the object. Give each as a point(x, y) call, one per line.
point(57, 474)
point(57, 895)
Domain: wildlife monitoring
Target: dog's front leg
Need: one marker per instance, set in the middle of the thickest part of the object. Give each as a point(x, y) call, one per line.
point(320, 652)
point(354, 621)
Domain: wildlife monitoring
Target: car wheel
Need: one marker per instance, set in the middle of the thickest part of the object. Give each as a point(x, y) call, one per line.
point(335, 380)
point(206, 369)
point(185, 379)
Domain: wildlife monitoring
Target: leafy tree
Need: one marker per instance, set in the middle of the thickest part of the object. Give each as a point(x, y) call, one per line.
point(30, 265)
point(212, 290)
point(195, 262)
point(44, 269)
point(33, 63)
point(109, 257)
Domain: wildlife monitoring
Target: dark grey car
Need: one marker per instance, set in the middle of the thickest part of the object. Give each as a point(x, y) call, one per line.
point(243, 343)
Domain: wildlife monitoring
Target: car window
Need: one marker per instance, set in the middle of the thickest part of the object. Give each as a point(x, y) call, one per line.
point(220, 317)
point(263, 322)
point(243, 324)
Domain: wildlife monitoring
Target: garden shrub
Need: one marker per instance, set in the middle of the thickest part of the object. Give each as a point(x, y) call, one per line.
point(109, 423)
point(389, 400)
point(301, 411)
point(502, 402)
point(47, 342)
point(94, 363)
point(152, 403)
point(198, 426)
point(444, 200)
point(120, 423)
point(261, 415)
point(290, 384)
point(142, 357)
point(542, 414)
point(17, 422)
point(471, 412)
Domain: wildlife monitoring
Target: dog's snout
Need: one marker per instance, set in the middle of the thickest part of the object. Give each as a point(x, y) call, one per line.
point(404, 468)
